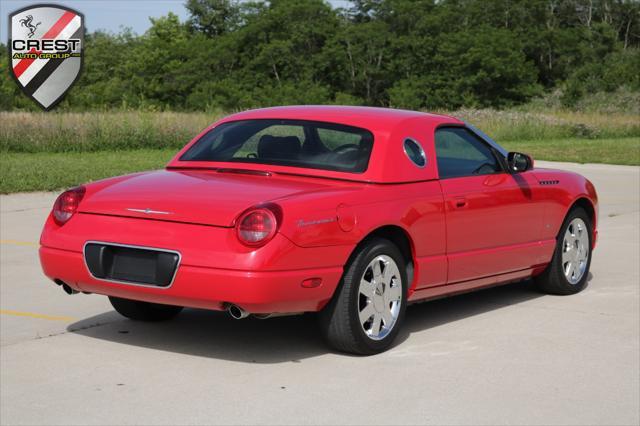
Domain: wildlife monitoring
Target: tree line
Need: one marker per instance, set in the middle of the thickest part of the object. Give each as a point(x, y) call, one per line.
point(418, 54)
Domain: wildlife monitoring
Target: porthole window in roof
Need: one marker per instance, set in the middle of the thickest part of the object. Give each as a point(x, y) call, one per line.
point(415, 152)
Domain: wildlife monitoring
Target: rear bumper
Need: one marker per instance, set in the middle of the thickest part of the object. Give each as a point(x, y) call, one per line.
point(204, 287)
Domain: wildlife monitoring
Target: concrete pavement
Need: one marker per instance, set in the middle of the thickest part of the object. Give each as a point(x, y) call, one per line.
point(506, 355)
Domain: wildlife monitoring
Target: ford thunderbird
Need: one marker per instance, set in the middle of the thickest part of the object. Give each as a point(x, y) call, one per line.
point(349, 212)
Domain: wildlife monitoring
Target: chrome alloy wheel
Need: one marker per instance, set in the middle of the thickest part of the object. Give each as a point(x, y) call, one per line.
point(380, 297)
point(575, 250)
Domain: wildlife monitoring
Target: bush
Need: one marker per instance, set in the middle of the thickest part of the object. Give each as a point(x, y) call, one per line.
point(480, 68)
point(618, 70)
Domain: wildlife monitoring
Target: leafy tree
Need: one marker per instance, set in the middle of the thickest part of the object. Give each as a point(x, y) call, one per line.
point(433, 54)
point(104, 80)
point(364, 51)
point(619, 69)
point(213, 17)
point(160, 67)
point(483, 67)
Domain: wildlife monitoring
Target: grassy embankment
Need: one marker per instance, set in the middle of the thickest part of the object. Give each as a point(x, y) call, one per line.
point(50, 151)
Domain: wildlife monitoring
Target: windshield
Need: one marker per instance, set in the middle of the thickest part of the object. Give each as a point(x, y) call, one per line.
point(297, 143)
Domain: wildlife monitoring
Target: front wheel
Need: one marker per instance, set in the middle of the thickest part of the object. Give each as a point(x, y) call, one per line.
point(144, 311)
point(569, 268)
point(367, 311)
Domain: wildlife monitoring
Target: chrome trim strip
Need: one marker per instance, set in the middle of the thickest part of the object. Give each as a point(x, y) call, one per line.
point(84, 259)
point(148, 211)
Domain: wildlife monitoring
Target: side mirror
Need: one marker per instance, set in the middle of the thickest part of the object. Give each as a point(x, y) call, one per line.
point(519, 162)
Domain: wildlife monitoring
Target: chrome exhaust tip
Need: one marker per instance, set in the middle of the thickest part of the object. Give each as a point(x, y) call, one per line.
point(237, 312)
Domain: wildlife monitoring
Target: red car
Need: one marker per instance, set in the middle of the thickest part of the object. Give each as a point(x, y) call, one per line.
point(347, 211)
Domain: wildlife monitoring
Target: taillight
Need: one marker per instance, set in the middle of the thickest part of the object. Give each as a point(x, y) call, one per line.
point(258, 225)
point(67, 204)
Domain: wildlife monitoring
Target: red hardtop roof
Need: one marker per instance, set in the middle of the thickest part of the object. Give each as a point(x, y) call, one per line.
point(367, 117)
point(390, 127)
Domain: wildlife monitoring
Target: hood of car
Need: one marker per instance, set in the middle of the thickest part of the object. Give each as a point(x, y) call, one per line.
point(211, 197)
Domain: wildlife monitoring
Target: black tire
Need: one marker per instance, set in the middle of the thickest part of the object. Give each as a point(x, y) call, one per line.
point(339, 320)
point(553, 279)
point(144, 311)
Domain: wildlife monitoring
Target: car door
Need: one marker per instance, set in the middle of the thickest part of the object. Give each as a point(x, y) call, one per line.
point(492, 220)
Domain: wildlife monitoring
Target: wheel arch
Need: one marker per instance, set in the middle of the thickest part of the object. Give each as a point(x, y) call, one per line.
point(400, 238)
point(588, 206)
point(592, 211)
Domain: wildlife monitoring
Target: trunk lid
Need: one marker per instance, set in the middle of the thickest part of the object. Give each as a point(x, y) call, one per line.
point(192, 196)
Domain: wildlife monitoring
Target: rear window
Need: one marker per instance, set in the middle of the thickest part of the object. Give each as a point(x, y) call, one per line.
point(297, 143)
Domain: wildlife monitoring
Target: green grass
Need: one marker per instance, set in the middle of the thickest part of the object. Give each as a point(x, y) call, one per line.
point(45, 171)
point(535, 125)
point(51, 151)
point(98, 131)
point(122, 130)
point(608, 151)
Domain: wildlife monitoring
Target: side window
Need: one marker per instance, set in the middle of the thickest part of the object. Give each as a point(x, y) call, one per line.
point(461, 153)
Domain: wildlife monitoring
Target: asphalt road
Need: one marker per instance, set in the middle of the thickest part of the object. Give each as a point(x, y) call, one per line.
point(506, 355)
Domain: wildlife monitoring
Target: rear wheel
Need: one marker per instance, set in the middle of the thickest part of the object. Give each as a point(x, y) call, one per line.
point(144, 311)
point(569, 268)
point(367, 311)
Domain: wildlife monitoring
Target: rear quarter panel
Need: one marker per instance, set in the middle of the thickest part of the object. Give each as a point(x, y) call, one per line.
point(345, 218)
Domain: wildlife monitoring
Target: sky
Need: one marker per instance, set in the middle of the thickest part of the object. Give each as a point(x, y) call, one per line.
point(111, 15)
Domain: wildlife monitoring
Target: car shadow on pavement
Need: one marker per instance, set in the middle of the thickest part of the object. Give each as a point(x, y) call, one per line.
point(433, 313)
point(281, 339)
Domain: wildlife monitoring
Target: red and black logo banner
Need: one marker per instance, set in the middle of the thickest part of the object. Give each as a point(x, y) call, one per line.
point(46, 51)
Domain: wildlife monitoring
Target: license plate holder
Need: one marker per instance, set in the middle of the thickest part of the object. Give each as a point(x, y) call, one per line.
point(131, 264)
